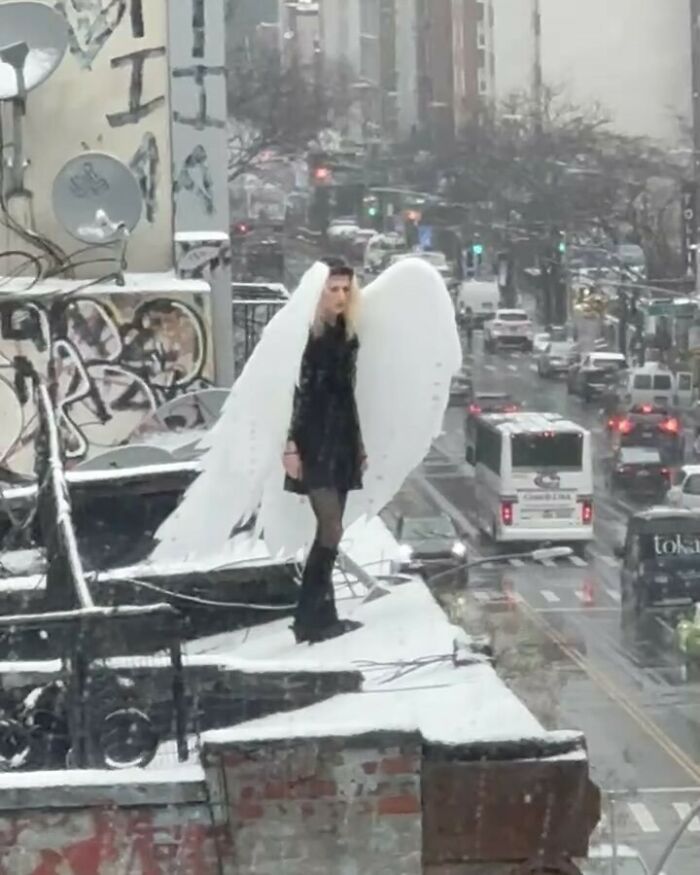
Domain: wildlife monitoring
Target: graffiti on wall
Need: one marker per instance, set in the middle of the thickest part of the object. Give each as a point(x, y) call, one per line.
point(134, 841)
point(198, 79)
point(117, 359)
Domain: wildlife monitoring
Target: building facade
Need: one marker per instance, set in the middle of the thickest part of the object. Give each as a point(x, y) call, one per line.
point(456, 66)
point(632, 58)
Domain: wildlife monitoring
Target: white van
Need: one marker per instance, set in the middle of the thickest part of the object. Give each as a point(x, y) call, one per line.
point(657, 385)
point(533, 478)
point(483, 297)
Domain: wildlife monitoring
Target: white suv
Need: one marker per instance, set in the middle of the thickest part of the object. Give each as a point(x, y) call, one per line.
point(509, 328)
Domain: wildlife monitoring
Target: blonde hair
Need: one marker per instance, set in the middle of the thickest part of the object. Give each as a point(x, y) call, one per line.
point(351, 315)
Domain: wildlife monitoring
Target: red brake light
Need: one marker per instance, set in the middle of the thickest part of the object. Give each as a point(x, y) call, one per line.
point(510, 408)
point(586, 512)
point(666, 472)
point(624, 426)
point(647, 408)
point(507, 513)
point(670, 425)
point(474, 408)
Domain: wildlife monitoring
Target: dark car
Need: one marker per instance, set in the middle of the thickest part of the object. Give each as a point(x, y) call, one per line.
point(557, 358)
point(461, 390)
point(433, 545)
point(594, 375)
point(660, 560)
point(645, 425)
point(640, 472)
point(492, 402)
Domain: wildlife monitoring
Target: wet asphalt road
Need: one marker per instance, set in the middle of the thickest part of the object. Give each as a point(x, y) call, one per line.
point(561, 644)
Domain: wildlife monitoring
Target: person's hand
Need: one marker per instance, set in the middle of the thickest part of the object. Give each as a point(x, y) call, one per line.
point(292, 463)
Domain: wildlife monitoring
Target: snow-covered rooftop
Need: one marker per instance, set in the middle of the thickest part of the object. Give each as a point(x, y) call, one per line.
point(412, 682)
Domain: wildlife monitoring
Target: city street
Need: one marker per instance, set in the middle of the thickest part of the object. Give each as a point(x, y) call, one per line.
point(576, 666)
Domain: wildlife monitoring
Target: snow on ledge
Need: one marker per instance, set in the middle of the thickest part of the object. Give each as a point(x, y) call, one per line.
point(181, 772)
point(153, 283)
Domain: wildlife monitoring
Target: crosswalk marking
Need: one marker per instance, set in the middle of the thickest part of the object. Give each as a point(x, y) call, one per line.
point(533, 368)
point(550, 563)
point(490, 367)
point(550, 596)
point(577, 560)
point(683, 810)
point(517, 563)
point(643, 817)
point(512, 368)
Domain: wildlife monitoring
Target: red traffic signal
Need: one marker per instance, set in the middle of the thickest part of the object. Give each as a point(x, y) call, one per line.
point(241, 228)
point(322, 174)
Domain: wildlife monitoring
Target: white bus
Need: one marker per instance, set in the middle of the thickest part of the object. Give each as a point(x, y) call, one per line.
point(533, 478)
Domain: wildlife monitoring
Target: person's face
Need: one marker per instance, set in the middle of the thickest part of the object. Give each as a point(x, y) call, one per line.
point(335, 297)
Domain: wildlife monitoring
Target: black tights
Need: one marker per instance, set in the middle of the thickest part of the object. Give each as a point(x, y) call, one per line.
point(328, 505)
point(316, 606)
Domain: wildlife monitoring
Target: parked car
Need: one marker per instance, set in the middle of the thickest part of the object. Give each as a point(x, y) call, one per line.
point(685, 491)
point(435, 546)
point(509, 329)
point(557, 358)
point(639, 472)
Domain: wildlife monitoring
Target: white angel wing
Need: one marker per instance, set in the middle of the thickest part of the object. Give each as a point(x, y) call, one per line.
point(244, 448)
point(409, 351)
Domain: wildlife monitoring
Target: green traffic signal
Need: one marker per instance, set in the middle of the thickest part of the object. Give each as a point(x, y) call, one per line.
point(372, 211)
point(478, 249)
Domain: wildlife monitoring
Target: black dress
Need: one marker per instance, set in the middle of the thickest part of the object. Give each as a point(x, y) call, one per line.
point(325, 424)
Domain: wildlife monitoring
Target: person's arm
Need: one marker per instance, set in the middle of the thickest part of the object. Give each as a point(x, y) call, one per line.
point(353, 374)
point(299, 408)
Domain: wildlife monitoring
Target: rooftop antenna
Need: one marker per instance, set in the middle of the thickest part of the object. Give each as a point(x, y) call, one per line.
point(33, 42)
point(98, 200)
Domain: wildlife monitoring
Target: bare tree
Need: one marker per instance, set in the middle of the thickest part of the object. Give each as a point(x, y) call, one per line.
point(572, 171)
point(277, 105)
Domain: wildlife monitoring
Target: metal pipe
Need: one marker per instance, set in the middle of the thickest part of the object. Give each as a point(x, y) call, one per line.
point(63, 520)
point(94, 613)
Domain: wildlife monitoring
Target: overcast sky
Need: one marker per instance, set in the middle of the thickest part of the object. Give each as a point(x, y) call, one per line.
point(631, 56)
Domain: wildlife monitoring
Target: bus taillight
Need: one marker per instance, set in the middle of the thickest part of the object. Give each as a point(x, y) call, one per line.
point(507, 513)
point(586, 512)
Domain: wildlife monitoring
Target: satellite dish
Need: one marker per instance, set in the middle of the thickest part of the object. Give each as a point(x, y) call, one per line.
point(134, 456)
point(97, 198)
point(33, 41)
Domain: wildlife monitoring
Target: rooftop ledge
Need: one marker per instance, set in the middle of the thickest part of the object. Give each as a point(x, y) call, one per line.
point(153, 283)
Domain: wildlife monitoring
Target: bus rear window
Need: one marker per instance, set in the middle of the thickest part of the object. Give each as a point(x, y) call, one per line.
point(662, 381)
point(561, 451)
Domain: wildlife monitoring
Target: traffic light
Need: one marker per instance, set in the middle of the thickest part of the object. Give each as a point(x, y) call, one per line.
point(322, 174)
point(240, 229)
point(562, 247)
point(478, 249)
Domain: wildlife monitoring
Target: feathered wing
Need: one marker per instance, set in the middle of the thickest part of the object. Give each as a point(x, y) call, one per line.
point(244, 448)
point(409, 351)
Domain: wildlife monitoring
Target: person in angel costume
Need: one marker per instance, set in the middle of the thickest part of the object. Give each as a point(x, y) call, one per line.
point(339, 402)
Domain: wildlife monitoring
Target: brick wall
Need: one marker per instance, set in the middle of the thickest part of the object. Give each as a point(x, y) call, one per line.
point(146, 830)
point(322, 806)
